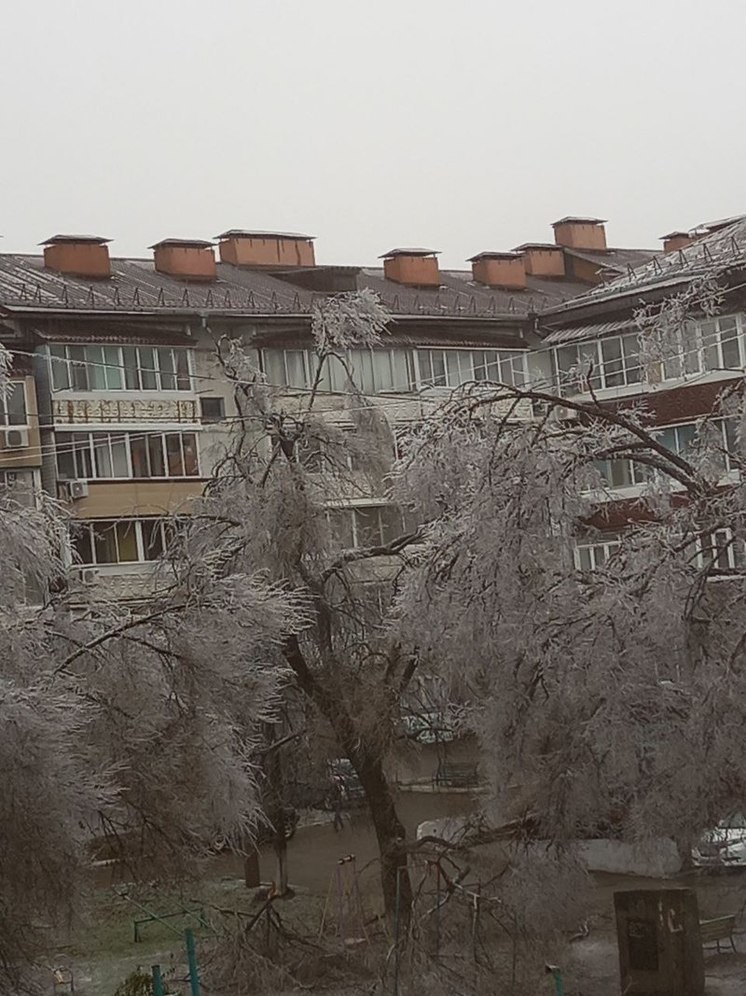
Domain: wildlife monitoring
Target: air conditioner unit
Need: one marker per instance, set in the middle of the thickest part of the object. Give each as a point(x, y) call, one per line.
point(77, 489)
point(15, 439)
point(89, 575)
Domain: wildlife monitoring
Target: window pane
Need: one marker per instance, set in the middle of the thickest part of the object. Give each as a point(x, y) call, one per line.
point(102, 455)
point(729, 343)
point(361, 362)
point(730, 430)
point(492, 365)
point(337, 375)
point(189, 443)
point(399, 370)
point(479, 360)
point(94, 356)
point(173, 455)
point(129, 360)
point(391, 524)
point(183, 382)
point(453, 373)
point(78, 371)
point(708, 331)
point(81, 544)
point(59, 367)
point(438, 360)
point(383, 372)
point(146, 355)
point(589, 366)
point(631, 350)
point(82, 455)
point(152, 538)
point(567, 362)
point(274, 367)
point(104, 542)
point(13, 405)
point(621, 473)
point(127, 542)
point(155, 451)
point(65, 462)
point(119, 462)
point(340, 521)
point(685, 438)
point(690, 348)
point(113, 369)
point(611, 352)
point(584, 558)
point(168, 369)
point(295, 361)
point(212, 409)
point(367, 527)
point(139, 456)
point(466, 366)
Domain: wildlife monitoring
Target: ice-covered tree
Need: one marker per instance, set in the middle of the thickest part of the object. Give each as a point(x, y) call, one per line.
point(280, 501)
point(599, 637)
point(138, 725)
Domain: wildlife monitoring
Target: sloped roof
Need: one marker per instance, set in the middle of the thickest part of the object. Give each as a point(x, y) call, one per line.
point(615, 259)
point(712, 254)
point(458, 294)
point(136, 286)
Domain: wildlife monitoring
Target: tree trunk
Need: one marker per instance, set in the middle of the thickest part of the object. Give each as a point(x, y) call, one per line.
point(395, 880)
point(275, 809)
point(391, 835)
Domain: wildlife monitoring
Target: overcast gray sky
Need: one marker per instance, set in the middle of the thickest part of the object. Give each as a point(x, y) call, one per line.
point(456, 126)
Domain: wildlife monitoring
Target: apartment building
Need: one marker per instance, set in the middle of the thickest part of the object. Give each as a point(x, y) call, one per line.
point(593, 344)
point(119, 409)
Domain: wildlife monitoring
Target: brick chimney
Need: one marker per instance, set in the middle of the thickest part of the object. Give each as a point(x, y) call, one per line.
point(186, 259)
point(254, 248)
point(580, 233)
point(677, 240)
point(542, 259)
point(78, 255)
point(499, 269)
point(412, 267)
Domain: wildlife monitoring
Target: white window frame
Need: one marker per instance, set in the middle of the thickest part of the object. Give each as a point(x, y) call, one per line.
point(95, 436)
point(695, 351)
point(504, 360)
point(71, 364)
point(598, 552)
point(720, 544)
point(598, 379)
point(112, 524)
point(353, 510)
point(640, 473)
point(512, 362)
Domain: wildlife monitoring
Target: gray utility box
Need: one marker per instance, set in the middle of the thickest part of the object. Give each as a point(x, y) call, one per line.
point(660, 951)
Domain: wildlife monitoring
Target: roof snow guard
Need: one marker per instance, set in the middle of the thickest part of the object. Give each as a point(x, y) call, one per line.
point(711, 254)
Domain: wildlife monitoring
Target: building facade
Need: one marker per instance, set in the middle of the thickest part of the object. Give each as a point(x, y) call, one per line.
point(119, 408)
